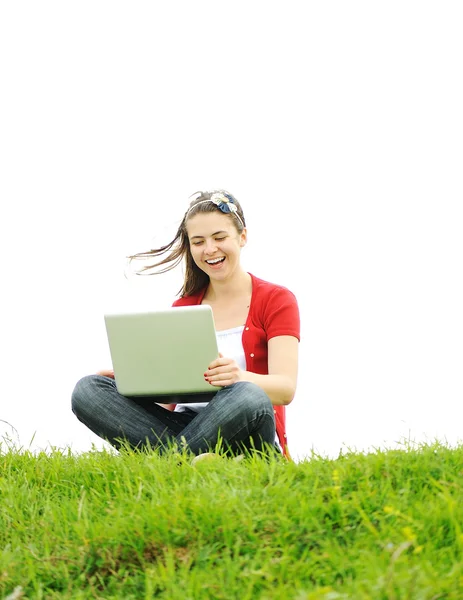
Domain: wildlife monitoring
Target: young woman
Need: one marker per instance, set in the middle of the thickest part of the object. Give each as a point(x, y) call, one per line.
point(258, 332)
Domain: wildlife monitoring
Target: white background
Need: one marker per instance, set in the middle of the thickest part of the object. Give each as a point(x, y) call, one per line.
point(338, 126)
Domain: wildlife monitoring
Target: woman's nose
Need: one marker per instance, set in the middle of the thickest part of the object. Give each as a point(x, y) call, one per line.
point(211, 247)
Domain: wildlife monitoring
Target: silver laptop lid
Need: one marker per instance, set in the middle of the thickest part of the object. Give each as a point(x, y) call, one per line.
point(162, 352)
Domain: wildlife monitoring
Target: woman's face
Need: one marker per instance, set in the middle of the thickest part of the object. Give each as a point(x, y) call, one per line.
point(215, 243)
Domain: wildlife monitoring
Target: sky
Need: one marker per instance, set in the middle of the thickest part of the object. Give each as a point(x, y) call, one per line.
point(337, 125)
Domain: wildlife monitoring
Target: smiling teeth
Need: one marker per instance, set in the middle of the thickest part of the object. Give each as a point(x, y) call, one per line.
point(215, 261)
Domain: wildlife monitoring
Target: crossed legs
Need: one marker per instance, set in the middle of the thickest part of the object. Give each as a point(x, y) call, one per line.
point(241, 415)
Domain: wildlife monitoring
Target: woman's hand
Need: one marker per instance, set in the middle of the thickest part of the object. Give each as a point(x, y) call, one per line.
point(223, 371)
point(106, 373)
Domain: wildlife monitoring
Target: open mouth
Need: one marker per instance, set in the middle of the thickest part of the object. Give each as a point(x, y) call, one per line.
point(216, 261)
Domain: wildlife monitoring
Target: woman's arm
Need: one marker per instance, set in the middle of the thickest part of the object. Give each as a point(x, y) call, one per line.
point(280, 383)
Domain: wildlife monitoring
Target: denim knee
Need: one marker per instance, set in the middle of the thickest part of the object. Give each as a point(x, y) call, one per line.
point(252, 397)
point(84, 394)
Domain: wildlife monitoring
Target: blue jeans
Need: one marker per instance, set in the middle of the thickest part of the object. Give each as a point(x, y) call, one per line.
point(241, 415)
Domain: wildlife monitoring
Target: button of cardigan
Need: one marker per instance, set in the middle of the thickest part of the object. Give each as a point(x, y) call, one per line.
point(247, 328)
point(252, 355)
point(274, 411)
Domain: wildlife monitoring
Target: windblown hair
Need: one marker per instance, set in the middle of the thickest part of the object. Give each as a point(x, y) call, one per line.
point(179, 248)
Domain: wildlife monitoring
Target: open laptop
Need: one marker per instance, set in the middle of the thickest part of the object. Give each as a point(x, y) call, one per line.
point(162, 352)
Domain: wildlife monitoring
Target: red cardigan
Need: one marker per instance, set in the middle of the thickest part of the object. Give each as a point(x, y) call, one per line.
point(273, 311)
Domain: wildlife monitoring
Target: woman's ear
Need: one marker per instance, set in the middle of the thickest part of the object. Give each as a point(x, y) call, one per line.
point(243, 237)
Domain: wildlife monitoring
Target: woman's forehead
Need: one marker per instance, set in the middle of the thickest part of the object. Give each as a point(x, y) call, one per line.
point(205, 224)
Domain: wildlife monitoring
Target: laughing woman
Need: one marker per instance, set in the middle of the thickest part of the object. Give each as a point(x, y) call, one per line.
point(258, 333)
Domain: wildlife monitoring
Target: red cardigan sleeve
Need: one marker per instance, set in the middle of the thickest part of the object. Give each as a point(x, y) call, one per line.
point(281, 314)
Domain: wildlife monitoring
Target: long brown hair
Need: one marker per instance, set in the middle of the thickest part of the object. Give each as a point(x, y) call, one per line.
point(179, 248)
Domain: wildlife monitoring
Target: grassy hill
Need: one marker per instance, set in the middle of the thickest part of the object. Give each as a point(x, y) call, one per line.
point(383, 525)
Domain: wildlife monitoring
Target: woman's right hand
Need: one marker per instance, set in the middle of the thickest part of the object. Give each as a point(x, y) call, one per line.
point(106, 373)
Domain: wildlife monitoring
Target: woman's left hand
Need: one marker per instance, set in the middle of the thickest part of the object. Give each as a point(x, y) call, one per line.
point(223, 371)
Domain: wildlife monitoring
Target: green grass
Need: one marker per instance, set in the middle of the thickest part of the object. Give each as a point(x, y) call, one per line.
point(383, 525)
